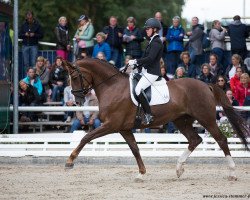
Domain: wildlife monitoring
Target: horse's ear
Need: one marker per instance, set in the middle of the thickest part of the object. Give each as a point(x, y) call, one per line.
point(67, 65)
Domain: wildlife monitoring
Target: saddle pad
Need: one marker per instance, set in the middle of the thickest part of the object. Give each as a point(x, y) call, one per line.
point(159, 92)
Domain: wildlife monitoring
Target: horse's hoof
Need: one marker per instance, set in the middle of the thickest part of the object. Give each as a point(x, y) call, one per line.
point(69, 166)
point(232, 178)
point(139, 178)
point(179, 169)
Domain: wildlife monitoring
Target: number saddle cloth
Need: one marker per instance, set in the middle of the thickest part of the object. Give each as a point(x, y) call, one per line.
point(157, 93)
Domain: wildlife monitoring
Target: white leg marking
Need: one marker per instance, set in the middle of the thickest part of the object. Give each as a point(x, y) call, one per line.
point(139, 178)
point(231, 164)
point(181, 160)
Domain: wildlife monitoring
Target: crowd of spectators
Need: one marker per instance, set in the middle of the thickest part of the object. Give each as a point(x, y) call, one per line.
point(45, 82)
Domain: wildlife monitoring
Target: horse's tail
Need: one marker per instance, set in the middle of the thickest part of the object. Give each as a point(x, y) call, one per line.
point(238, 123)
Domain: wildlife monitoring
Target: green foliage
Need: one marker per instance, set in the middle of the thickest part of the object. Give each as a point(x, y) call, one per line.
point(47, 12)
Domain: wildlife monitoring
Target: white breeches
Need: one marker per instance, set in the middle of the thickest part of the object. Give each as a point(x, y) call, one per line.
point(145, 81)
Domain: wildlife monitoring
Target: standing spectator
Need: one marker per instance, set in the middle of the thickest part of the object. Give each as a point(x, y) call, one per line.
point(30, 33)
point(84, 37)
point(87, 117)
point(43, 72)
point(188, 66)
point(215, 68)
point(236, 62)
point(114, 35)
point(221, 81)
point(238, 33)
point(206, 75)
point(132, 38)
point(242, 91)
point(102, 46)
point(180, 73)
point(69, 100)
point(162, 33)
point(235, 80)
point(174, 37)
point(62, 38)
point(34, 80)
point(195, 43)
point(217, 37)
point(58, 79)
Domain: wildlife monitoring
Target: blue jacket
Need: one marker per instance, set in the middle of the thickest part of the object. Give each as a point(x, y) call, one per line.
point(175, 38)
point(102, 47)
point(37, 84)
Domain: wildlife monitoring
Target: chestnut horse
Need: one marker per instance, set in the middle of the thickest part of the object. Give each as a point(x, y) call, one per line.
point(190, 100)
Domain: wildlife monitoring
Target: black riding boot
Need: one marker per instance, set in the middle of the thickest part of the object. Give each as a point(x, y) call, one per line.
point(145, 106)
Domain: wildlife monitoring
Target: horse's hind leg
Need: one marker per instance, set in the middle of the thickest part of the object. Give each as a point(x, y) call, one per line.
point(130, 139)
point(222, 142)
point(185, 125)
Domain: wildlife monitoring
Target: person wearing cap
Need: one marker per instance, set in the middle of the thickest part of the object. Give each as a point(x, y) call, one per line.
point(102, 46)
point(62, 38)
point(84, 36)
point(30, 32)
point(132, 37)
point(149, 64)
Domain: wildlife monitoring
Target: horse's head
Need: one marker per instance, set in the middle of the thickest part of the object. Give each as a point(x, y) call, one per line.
point(81, 81)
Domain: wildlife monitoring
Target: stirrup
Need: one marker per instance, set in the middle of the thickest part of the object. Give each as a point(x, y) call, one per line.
point(148, 119)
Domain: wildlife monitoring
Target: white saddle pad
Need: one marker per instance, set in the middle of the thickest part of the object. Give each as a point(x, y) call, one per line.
point(159, 92)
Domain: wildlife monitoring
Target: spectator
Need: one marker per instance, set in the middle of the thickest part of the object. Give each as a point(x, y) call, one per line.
point(34, 80)
point(69, 100)
point(206, 76)
point(180, 73)
point(84, 37)
point(47, 64)
point(162, 33)
point(236, 62)
point(62, 38)
point(215, 68)
point(238, 33)
point(87, 117)
point(28, 96)
point(58, 79)
point(221, 81)
point(217, 37)
point(101, 56)
point(242, 91)
point(195, 43)
point(102, 46)
point(129, 68)
point(114, 35)
point(43, 72)
point(164, 73)
point(235, 80)
point(30, 32)
point(132, 38)
point(174, 37)
point(185, 62)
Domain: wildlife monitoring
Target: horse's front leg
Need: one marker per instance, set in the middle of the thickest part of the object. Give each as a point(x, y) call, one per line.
point(96, 133)
point(130, 139)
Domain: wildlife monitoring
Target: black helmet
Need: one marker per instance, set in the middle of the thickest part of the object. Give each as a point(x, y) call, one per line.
point(152, 23)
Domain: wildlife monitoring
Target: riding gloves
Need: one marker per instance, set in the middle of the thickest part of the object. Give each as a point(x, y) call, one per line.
point(132, 63)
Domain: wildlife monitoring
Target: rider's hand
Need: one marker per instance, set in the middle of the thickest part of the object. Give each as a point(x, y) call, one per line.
point(132, 63)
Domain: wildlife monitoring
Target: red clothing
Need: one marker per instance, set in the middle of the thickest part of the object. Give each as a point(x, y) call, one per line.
point(234, 81)
point(241, 93)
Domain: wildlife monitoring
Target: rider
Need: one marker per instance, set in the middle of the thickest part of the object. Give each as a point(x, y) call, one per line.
point(150, 65)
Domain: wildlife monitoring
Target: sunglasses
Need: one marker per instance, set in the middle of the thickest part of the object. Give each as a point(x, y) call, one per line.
point(220, 80)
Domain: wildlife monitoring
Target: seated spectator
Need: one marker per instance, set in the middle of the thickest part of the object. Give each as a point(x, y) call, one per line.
point(180, 73)
point(185, 62)
point(206, 76)
point(28, 96)
point(229, 94)
point(242, 91)
point(221, 81)
point(236, 62)
point(215, 68)
point(164, 73)
point(43, 72)
point(234, 81)
point(101, 56)
point(87, 117)
point(47, 64)
point(69, 100)
point(132, 37)
point(129, 68)
point(58, 79)
point(102, 46)
point(34, 80)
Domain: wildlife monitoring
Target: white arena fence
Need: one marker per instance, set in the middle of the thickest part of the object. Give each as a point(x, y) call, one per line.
point(150, 145)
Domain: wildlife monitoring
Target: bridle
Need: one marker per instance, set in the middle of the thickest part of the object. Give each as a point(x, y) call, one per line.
point(80, 93)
